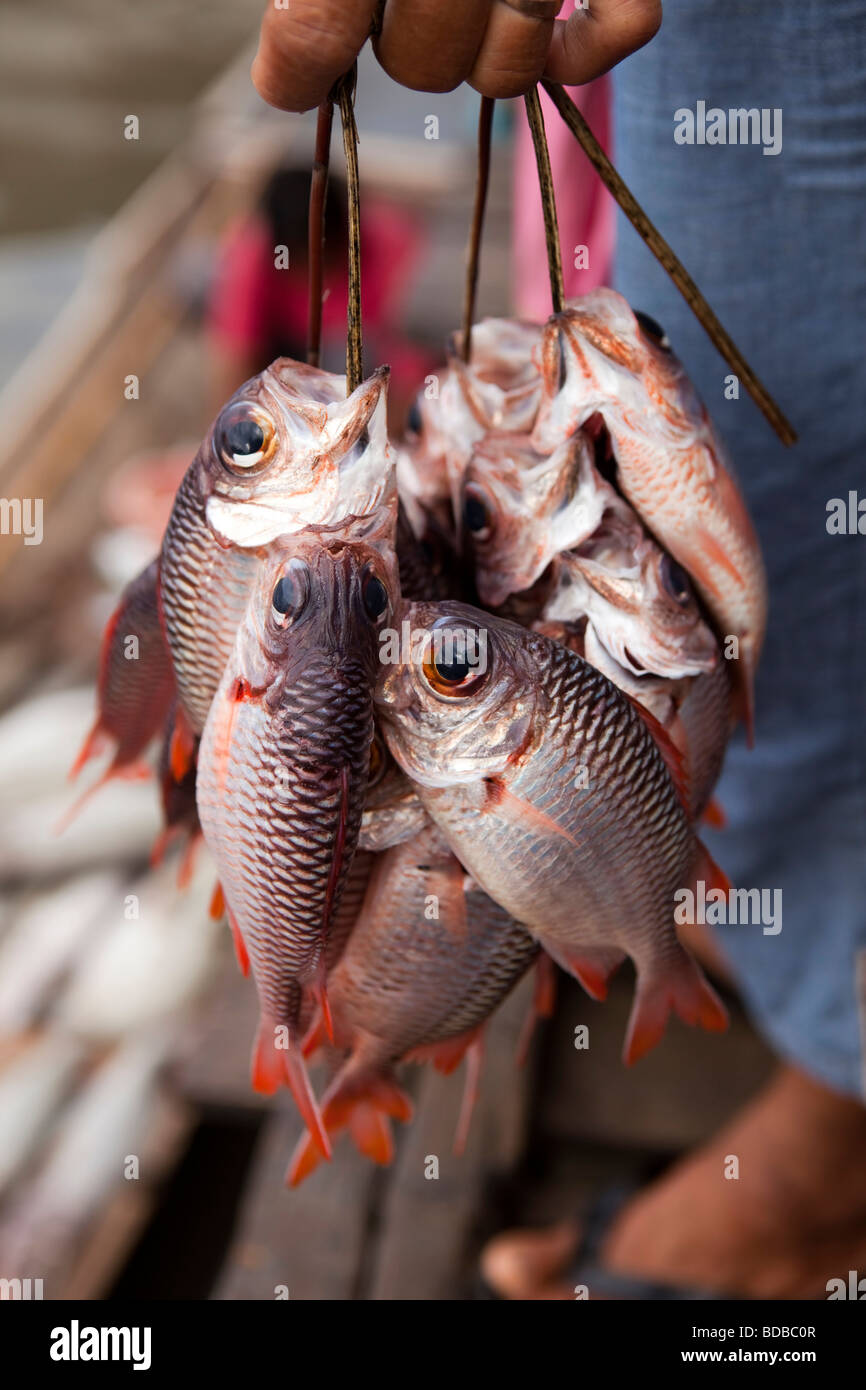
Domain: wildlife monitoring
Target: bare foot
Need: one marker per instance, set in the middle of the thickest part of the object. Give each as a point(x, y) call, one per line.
point(794, 1217)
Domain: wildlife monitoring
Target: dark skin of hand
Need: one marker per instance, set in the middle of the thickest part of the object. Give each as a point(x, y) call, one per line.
point(434, 45)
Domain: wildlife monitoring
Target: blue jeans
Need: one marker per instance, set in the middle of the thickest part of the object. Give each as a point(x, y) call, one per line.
point(777, 243)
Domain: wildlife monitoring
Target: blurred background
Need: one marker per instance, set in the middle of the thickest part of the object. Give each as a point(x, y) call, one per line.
point(137, 292)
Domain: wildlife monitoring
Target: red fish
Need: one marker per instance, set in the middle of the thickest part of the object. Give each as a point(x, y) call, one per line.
point(428, 960)
point(553, 792)
point(282, 775)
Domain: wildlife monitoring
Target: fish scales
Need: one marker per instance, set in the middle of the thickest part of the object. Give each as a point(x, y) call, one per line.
point(551, 790)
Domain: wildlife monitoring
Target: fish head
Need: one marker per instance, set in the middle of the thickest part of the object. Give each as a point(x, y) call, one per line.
point(603, 362)
point(640, 601)
point(520, 509)
point(500, 386)
point(291, 450)
point(456, 695)
point(320, 600)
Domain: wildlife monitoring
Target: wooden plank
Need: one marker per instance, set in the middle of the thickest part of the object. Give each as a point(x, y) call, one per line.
point(311, 1240)
point(425, 1248)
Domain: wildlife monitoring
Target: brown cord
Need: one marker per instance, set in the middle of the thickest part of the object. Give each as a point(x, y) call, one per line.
point(344, 92)
point(316, 234)
point(674, 267)
point(482, 181)
point(548, 200)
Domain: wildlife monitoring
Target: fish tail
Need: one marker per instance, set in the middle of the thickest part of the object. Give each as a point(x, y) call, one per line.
point(542, 1006)
point(446, 1056)
point(362, 1101)
point(95, 743)
point(273, 1066)
point(181, 755)
point(130, 772)
point(681, 988)
point(474, 1062)
point(591, 966)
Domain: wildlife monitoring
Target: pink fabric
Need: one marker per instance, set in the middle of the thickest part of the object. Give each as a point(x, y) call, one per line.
point(585, 209)
point(251, 301)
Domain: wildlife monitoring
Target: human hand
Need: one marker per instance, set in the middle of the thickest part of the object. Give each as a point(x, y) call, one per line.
point(501, 47)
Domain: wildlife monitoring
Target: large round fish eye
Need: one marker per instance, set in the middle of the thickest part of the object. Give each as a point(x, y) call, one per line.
point(675, 581)
point(290, 593)
point(477, 512)
point(374, 596)
point(455, 660)
point(245, 436)
point(653, 330)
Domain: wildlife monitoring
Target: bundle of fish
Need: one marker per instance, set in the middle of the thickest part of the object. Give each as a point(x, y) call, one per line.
point(411, 799)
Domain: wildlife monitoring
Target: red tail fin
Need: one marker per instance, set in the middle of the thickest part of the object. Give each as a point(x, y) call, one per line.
point(131, 772)
point(474, 1062)
point(714, 815)
point(274, 1066)
point(682, 989)
point(542, 1006)
point(95, 743)
point(361, 1101)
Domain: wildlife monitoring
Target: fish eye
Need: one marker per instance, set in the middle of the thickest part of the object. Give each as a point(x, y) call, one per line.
point(414, 422)
point(477, 513)
point(290, 594)
point(675, 581)
point(454, 663)
point(374, 596)
point(653, 330)
point(245, 436)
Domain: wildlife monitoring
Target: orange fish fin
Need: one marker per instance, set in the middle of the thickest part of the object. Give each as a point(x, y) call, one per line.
point(304, 1161)
point(188, 858)
point(708, 870)
point(95, 743)
point(591, 966)
point(132, 772)
point(273, 1066)
point(316, 1036)
point(673, 758)
point(446, 1056)
point(319, 991)
point(371, 1131)
point(241, 953)
point(714, 815)
point(542, 1006)
point(217, 903)
point(474, 1062)
point(499, 794)
point(160, 845)
point(362, 1100)
point(682, 989)
point(181, 754)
